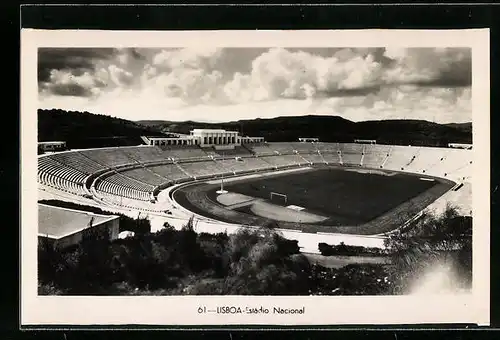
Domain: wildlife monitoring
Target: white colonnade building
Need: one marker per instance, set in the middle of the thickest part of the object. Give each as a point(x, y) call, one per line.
point(206, 138)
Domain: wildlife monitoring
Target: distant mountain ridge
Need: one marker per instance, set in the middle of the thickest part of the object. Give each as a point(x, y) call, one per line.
point(87, 130)
point(84, 129)
point(335, 129)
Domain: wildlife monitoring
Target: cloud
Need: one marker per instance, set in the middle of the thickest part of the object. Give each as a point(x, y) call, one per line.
point(280, 73)
point(356, 83)
point(188, 74)
point(70, 59)
point(119, 76)
point(450, 67)
point(195, 58)
point(402, 102)
point(65, 83)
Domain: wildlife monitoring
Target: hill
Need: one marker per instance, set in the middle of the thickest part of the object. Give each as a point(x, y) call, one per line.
point(86, 130)
point(467, 127)
point(335, 129)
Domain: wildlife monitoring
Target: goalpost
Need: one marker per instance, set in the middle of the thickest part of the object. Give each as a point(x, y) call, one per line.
point(283, 197)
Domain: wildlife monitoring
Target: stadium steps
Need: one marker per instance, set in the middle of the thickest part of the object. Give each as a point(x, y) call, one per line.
point(105, 166)
point(305, 160)
point(461, 173)
point(362, 156)
point(244, 146)
point(387, 157)
point(323, 158)
point(413, 158)
point(158, 175)
point(184, 171)
point(133, 158)
point(225, 166)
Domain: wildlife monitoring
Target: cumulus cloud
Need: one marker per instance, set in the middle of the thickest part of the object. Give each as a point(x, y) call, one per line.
point(432, 66)
point(356, 83)
point(70, 59)
point(64, 83)
point(402, 102)
point(197, 58)
point(119, 76)
point(280, 73)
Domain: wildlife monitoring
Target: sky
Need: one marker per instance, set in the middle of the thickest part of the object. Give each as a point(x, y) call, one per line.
point(227, 84)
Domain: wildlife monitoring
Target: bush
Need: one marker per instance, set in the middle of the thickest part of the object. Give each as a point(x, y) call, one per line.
point(432, 239)
point(345, 250)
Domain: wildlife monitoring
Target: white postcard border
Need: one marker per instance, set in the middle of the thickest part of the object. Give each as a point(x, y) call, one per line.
point(183, 310)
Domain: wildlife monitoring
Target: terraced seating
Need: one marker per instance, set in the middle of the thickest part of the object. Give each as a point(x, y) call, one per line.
point(68, 171)
point(200, 169)
point(144, 175)
point(351, 158)
point(109, 186)
point(462, 173)
point(146, 154)
point(453, 160)
point(304, 147)
point(110, 157)
point(352, 148)
point(375, 155)
point(243, 164)
point(313, 158)
point(210, 152)
point(170, 172)
point(351, 153)
point(376, 148)
point(122, 180)
point(328, 147)
point(425, 160)
point(78, 161)
point(282, 148)
point(284, 160)
point(331, 158)
point(183, 151)
point(399, 157)
point(256, 163)
point(260, 149)
point(59, 176)
point(237, 151)
point(374, 160)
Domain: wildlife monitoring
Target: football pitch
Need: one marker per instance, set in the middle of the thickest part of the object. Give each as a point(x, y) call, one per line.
point(322, 199)
point(346, 197)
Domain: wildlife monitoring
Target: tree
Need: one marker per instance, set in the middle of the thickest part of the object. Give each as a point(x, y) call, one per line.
point(444, 238)
point(264, 263)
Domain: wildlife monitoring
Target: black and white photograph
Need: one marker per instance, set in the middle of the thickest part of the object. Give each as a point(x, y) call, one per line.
point(264, 171)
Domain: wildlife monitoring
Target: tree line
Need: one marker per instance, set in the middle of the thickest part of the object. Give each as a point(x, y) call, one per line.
point(252, 261)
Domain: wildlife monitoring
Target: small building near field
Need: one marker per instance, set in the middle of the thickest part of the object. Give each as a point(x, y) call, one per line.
point(365, 141)
point(66, 227)
point(308, 139)
point(460, 146)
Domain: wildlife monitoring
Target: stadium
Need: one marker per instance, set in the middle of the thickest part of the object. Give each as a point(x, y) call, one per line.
point(312, 191)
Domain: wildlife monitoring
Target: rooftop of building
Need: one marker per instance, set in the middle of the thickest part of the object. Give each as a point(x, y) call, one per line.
point(56, 222)
point(51, 142)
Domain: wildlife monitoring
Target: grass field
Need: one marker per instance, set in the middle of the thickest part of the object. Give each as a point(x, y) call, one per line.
point(347, 197)
point(356, 201)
